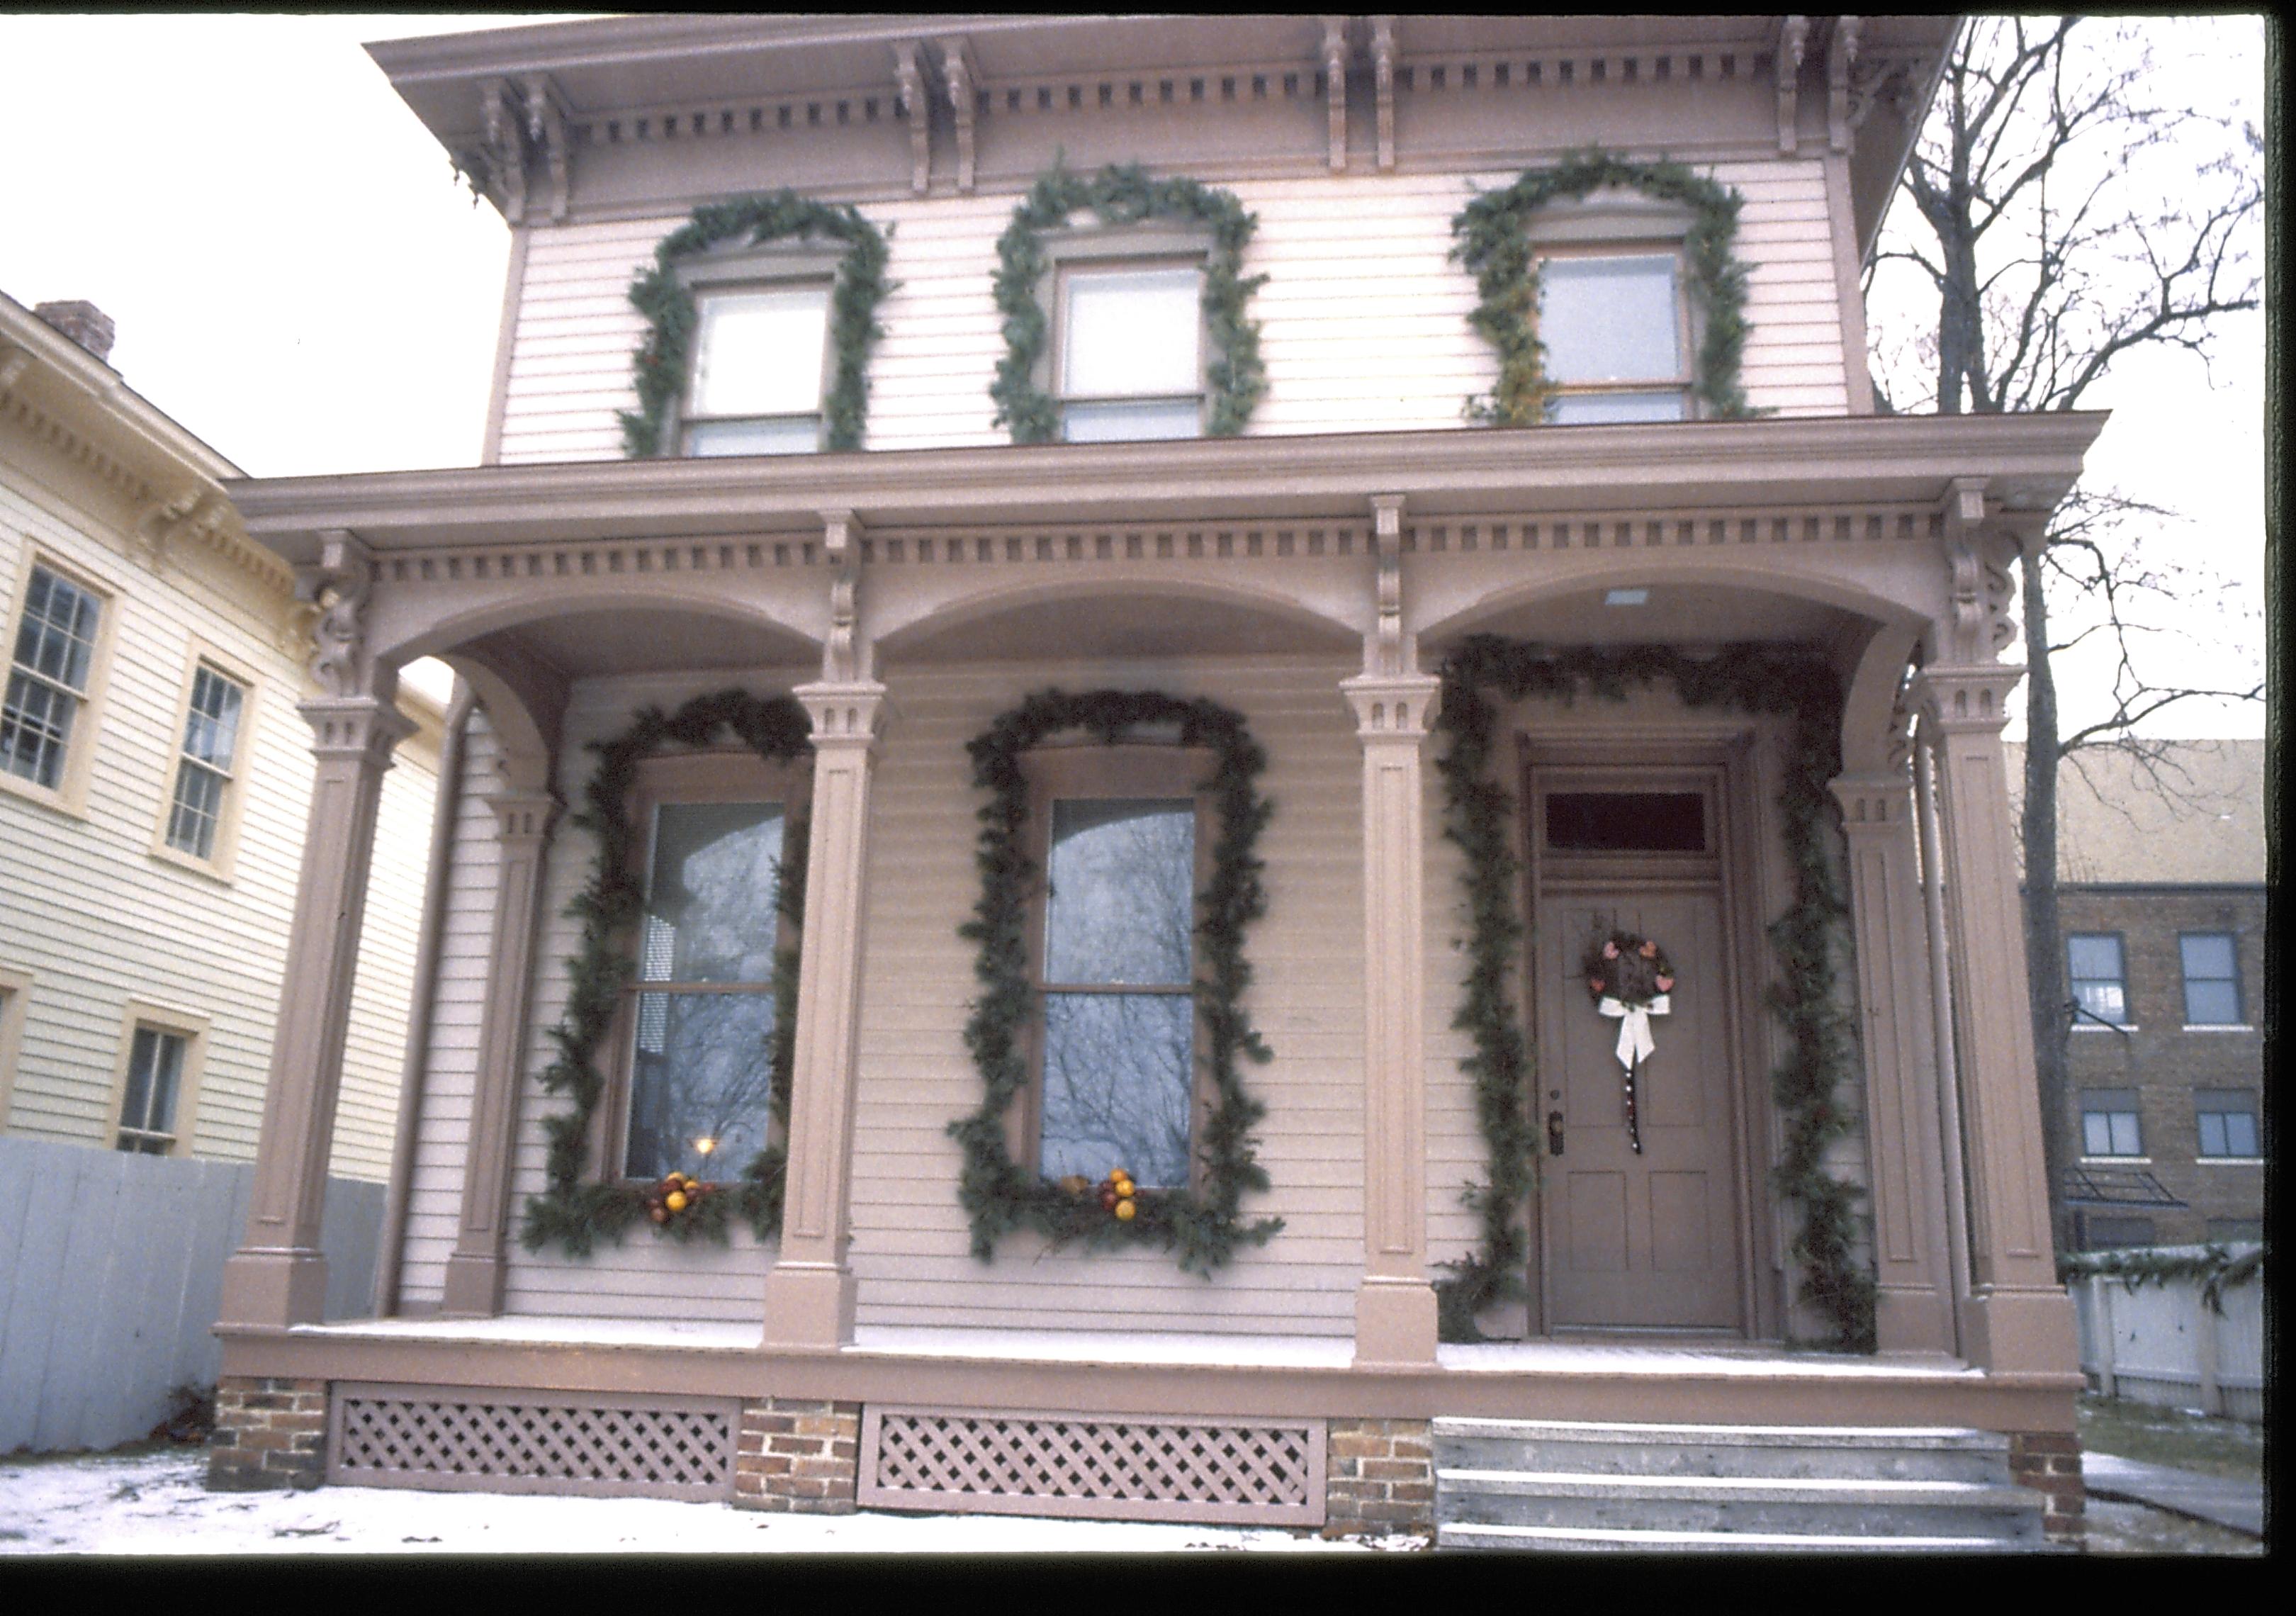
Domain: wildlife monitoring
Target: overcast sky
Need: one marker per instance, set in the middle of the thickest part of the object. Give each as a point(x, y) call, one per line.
point(297, 278)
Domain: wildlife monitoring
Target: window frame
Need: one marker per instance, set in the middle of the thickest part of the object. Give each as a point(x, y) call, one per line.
point(2201, 1110)
point(763, 268)
point(69, 795)
point(718, 776)
point(2097, 1102)
point(1082, 769)
point(2185, 980)
point(222, 857)
point(1685, 384)
point(1615, 222)
point(2083, 1017)
point(1116, 249)
point(15, 1005)
point(171, 1021)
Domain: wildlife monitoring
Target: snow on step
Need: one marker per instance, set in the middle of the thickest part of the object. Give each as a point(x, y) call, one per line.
point(1567, 1538)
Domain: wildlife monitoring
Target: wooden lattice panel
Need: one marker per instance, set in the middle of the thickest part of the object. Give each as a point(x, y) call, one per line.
point(1268, 1473)
point(511, 1441)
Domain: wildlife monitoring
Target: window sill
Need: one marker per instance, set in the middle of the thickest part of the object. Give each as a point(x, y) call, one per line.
point(218, 871)
point(2217, 1027)
point(65, 801)
point(2116, 1161)
point(2104, 1027)
point(2227, 1161)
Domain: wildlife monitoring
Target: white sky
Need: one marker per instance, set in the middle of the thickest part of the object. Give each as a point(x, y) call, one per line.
point(297, 278)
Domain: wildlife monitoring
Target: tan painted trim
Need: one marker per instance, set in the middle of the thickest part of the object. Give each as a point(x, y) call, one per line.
point(15, 1010)
point(238, 785)
point(192, 1027)
point(1856, 366)
point(506, 343)
point(69, 797)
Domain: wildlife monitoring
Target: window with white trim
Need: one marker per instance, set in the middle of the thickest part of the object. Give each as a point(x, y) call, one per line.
point(760, 365)
point(2109, 1124)
point(1617, 331)
point(50, 668)
point(156, 1060)
point(2099, 979)
point(2211, 964)
point(206, 767)
point(1131, 358)
point(2227, 1122)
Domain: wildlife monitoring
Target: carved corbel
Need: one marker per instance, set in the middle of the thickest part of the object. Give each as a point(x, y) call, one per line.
point(13, 362)
point(502, 146)
point(336, 591)
point(1982, 589)
point(1387, 650)
point(1382, 68)
point(1335, 87)
point(916, 106)
point(195, 513)
point(845, 654)
point(961, 75)
point(1793, 38)
point(1840, 59)
point(545, 128)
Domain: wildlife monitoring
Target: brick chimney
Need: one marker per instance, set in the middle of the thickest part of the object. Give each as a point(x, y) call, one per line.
point(84, 322)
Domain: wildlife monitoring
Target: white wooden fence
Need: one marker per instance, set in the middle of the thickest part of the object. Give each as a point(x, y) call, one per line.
point(110, 1274)
point(2161, 1343)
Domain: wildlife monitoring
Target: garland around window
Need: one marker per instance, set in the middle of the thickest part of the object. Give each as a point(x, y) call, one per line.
point(1494, 242)
point(667, 304)
point(1124, 195)
point(1202, 1227)
point(572, 1213)
point(1809, 939)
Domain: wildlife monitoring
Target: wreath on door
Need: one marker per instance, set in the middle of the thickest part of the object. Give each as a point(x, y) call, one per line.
point(1629, 978)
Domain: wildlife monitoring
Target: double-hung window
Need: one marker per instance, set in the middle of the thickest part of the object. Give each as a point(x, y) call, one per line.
point(760, 355)
point(2099, 979)
point(2227, 1121)
point(2109, 1125)
point(1617, 335)
point(2212, 965)
point(50, 669)
point(158, 1082)
point(206, 765)
point(1130, 363)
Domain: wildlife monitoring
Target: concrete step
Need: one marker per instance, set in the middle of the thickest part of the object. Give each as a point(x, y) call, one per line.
point(1894, 1454)
point(1738, 1505)
point(1552, 1539)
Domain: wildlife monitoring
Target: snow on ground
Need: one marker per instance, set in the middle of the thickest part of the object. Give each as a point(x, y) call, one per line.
point(143, 1502)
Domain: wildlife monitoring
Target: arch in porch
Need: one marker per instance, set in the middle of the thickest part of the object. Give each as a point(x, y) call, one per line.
point(1116, 616)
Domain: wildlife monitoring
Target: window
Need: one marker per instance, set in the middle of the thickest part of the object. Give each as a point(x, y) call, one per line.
point(2211, 978)
point(15, 989)
point(1617, 336)
point(2108, 1125)
point(2110, 1234)
point(760, 356)
point(2100, 984)
point(156, 1086)
point(205, 770)
point(1131, 352)
point(2232, 1230)
point(702, 1009)
point(2227, 1120)
point(50, 670)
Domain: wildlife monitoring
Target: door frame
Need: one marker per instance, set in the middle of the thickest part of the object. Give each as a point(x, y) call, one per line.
point(1720, 757)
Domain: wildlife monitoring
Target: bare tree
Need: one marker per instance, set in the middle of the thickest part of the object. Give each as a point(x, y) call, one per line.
point(2031, 207)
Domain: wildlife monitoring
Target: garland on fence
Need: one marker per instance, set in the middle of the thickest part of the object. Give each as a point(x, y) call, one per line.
point(1807, 939)
point(1494, 242)
point(668, 306)
point(2217, 1268)
point(1124, 195)
point(1000, 1195)
point(574, 1214)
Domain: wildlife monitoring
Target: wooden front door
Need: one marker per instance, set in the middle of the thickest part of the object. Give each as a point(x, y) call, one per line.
point(1649, 1240)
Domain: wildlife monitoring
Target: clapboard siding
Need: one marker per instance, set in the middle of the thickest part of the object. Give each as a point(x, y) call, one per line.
point(1364, 315)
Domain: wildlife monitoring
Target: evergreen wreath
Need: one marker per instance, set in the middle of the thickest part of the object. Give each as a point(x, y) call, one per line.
point(1124, 195)
point(667, 304)
point(1629, 967)
point(1202, 1227)
point(1494, 242)
point(1795, 682)
point(574, 1214)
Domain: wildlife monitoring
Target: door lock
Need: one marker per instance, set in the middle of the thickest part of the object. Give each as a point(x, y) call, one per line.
point(1554, 1133)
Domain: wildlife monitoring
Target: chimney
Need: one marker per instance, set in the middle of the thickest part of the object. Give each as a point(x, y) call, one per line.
point(84, 322)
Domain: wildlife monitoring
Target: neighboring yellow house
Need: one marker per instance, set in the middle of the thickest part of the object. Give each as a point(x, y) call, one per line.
point(155, 780)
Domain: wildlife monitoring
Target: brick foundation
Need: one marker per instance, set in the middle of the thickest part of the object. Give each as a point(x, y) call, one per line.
point(2049, 1462)
point(797, 1455)
point(1381, 1479)
point(268, 1433)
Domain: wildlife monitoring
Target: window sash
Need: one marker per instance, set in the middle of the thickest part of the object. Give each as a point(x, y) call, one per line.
point(155, 1070)
point(2228, 1123)
point(35, 726)
point(759, 368)
point(1613, 327)
point(2109, 1125)
point(203, 773)
point(56, 639)
point(2212, 971)
point(1132, 332)
point(2097, 976)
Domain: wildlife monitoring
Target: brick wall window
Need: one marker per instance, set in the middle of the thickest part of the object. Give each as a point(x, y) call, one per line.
point(2109, 1123)
point(2099, 978)
point(2116, 1234)
point(2211, 978)
point(2225, 1231)
point(2227, 1120)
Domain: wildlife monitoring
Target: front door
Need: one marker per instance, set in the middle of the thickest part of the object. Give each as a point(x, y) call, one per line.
point(1650, 1239)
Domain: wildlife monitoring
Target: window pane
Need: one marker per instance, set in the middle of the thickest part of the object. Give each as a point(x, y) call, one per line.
point(703, 1070)
point(1131, 332)
point(759, 353)
point(710, 915)
point(2207, 954)
point(1117, 1080)
point(35, 722)
point(1121, 895)
point(2212, 1004)
point(1611, 319)
point(57, 638)
point(2095, 956)
point(794, 435)
point(198, 807)
point(211, 729)
point(1132, 423)
point(155, 1064)
point(2109, 1123)
point(1581, 409)
point(2212, 980)
point(2227, 1120)
point(2098, 985)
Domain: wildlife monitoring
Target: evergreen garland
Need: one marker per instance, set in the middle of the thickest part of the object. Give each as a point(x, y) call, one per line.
point(668, 306)
point(1124, 195)
point(1494, 242)
point(2217, 1268)
point(1793, 682)
point(998, 1195)
point(574, 1214)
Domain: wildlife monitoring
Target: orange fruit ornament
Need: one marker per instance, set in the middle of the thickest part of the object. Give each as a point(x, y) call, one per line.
point(1126, 1210)
point(676, 1201)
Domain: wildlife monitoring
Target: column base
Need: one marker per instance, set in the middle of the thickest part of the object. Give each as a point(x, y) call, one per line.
point(474, 1286)
point(2031, 1331)
point(1912, 1319)
point(1394, 1323)
point(274, 1286)
point(809, 1307)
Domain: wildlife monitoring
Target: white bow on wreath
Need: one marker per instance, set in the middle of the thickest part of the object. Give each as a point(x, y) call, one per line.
point(1635, 1043)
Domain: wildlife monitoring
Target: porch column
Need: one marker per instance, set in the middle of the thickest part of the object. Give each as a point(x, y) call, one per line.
point(1914, 1307)
point(1395, 1305)
point(474, 1271)
point(2019, 1317)
point(810, 1293)
point(278, 1278)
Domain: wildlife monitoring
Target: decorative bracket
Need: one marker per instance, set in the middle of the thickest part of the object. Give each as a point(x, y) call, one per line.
point(337, 588)
point(1382, 68)
point(13, 362)
point(1841, 58)
point(1335, 87)
point(845, 655)
point(546, 126)
point(1387, 650)
point(1793, 38)
point(1981, 588)
point(960, 75)
point(916, 105)
point(503, 147)
point(193, 514)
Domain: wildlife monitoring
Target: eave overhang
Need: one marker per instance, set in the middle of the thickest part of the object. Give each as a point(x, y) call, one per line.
point(2025, 464)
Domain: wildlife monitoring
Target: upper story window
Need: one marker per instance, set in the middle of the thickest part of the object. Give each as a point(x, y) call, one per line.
point(2212, 965)
point(761, 363)
point(2109, 1124)
point(1617, 334)
point(2227, 1121)
point(2099, 979)
point(1131, 352)
point(206, 766)
point(50, 672)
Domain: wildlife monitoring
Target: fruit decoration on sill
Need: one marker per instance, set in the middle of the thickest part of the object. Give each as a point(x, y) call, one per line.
point(679, 1194)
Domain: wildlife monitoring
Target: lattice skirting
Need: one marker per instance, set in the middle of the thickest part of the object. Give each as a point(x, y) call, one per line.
point(1263, 1472)
point(489, 1441)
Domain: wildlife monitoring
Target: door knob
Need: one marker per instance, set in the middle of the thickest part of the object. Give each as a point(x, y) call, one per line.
point(1554, 1133)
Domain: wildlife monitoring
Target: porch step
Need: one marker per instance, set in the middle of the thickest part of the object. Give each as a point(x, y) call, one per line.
point(1560, 1485)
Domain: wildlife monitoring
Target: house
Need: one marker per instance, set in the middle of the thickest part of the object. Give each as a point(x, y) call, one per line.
point(926, 454)
point(2161, 867)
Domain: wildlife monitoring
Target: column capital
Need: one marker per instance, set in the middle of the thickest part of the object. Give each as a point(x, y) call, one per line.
point(354, 728)
point(1881, 802)
point(1393, 706)
point(1966, 699)
point(847, 715)
point(524, 816)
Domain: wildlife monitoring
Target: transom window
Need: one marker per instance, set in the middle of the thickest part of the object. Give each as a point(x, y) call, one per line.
point(760, 356)
point(47, 678)
point(2211, 978)
point(2227, 1121)
point(2099, 979)
point(205, 770)
point(1616, 337)
point(2109, 1123)
point(1131, 354)
point(155, 1077)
